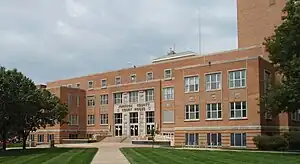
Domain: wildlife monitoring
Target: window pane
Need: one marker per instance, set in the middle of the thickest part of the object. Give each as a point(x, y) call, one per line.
point(232, 139)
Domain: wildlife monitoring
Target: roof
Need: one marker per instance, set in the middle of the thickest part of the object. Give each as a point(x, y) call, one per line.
point(174, 56)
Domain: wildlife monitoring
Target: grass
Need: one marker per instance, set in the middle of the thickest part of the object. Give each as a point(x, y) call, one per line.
point(49, 156)
point(167, 156)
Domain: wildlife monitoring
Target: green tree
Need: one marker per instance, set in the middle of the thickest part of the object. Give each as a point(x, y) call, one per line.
point(284, 52)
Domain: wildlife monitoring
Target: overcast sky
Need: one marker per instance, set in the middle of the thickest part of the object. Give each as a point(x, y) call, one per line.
point(55, 39)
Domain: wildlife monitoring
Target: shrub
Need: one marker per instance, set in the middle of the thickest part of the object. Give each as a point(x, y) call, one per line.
point(293, 139)
point(275, 142)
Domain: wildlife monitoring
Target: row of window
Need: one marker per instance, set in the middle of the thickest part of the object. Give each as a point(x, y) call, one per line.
point(237, 79)
point(133, 118)
point(41, 137)
point(215, 139)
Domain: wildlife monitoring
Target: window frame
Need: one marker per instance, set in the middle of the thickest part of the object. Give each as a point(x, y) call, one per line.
point(147, 75)
point(150, 117)
point(104, 99)
point(133, 117)
point(72, 118)
point(91, 121)
point(210, 82)
point(91, 98)
point(195, 137)
point(116, 80)
point(118, 118)
point(118, 98)
point(90, 86)
point(243, 139)
point(104, 119)
point(230, 110)
point(77, 101)
point(147, 96)
point(133, 98)
point(165, 77)
point(209, 136)
point(39, 137)
point(171, 93)
point(219, 109)
point(196, 83)
point(104, 85)
point(131, 77)
point(295, 116)
point(234, 79)
point(187, 112)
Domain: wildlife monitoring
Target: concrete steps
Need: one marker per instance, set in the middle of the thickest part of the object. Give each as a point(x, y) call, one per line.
point(112, 139)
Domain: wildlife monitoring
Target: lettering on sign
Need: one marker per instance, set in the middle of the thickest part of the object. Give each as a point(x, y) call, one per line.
point(134, 107)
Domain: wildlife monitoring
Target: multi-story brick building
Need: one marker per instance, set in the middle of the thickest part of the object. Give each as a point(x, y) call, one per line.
point(206, 100)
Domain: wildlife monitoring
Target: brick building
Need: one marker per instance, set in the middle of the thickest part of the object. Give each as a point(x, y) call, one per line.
point(206, 100)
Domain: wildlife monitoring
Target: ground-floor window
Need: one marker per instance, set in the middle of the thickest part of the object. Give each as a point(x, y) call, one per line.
point(214, 139)
point(31, 137)
point(73, 136)
point(191, 139)
point(238, 139)
point(118, 130)
point(89, 135)
point(40, 137)
point(50, 137)
point(149, 128)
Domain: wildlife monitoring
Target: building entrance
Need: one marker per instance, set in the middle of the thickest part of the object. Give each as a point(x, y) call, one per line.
point(118, 130)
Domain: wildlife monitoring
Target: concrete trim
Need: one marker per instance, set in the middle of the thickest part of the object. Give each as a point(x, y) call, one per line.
point(254, 127)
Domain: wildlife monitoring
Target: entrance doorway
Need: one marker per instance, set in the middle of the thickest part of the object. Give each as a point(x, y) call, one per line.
point(134, 130)
point(118, 130)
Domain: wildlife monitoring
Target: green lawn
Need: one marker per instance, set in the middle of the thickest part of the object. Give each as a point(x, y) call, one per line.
point(173, 156)
point(49, 156)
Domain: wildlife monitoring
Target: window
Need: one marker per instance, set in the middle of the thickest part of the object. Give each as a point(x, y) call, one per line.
point(118, 80)
point(192, 112)
point(149, 95)
point(90, 101)
point(31, 137)
point(191, 139)
point(168, 93)
point(168, 116)
point(118, 118)
point(191, 84)
point(238, 110)
point(40, 137)
point(103, 83)
point(237, 79)
point(267, 80)
point(150, 127)
point(69, 85)
point(50, 137)
point(150, 117)
point(73, 119)
point(133, 78)
point(214, 139)
point(168, 74)
point(103, 119)
point(133, 117)
point(77, 85)
point(73, 136)
point(77, 101)
point(118, 98)
point(69, 100)
point(133, 97)
point(91, 119)
point(149, 76)
point(238, 139)
point(213, 81)
point(213, 111)
point(296, 115)
point(90, 84)
point(104, 99)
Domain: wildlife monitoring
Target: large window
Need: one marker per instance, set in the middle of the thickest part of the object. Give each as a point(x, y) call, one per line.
point(118, 118)
point(168, 116)
point(192, 112)
point(90, 101)
point(149, 95)
point(40, 137)
point(168, 93)
point(296, 115)
point(213, 81)
point(191, 139)
point(213, 111)
point(238, 139)
point(103, 119)
point(133, 117)
point(118, 98)
point(91, 119)
point(214, 139)
point(168, 74)
point(237, 79)
point(150, 117)
point(238, 109)
point(90, 84)
point(103, 99)
point(191, 84)
point(73, 119)
point(133, 97)
point(150, 127)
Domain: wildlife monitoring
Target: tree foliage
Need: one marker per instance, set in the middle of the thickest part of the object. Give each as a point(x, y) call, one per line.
point(284, 52)
point(25, 108)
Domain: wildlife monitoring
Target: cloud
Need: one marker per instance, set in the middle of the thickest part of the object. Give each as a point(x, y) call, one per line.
point(50, 40)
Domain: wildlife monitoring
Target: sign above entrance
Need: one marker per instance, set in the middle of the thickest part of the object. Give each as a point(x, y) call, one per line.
point(149, 106)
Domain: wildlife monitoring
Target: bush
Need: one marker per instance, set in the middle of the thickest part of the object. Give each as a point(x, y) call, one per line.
point(275, 142)
point(293, 139)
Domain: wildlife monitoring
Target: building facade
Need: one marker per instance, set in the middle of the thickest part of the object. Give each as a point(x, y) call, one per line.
point(204, 100)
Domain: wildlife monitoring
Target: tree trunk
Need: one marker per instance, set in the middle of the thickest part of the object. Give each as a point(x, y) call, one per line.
point(4, 139)
point(24, 137)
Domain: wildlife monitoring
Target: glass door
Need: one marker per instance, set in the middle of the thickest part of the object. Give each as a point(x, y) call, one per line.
point(118, 130)
point(134, 130)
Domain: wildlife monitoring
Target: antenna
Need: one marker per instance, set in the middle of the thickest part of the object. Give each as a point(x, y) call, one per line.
point(199, 31)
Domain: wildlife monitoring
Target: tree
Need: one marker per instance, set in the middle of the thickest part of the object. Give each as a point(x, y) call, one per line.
point(284, 52)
